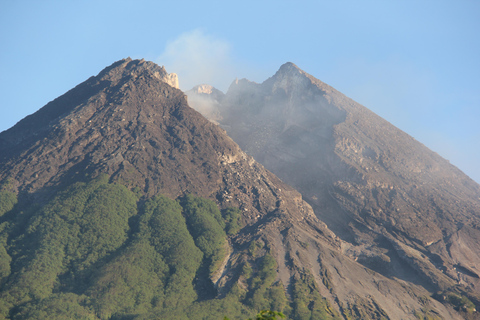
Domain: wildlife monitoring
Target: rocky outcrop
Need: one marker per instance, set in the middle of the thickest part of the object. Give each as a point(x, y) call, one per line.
point(206, 100)
point(172, 80)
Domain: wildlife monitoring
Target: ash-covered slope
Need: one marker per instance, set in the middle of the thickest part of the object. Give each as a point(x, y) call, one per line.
point(85, 232)
point(403, 210)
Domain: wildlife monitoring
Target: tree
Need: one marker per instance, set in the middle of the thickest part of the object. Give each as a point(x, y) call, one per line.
point(265, 315)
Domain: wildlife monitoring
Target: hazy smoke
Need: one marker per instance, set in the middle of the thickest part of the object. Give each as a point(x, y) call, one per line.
point(199, 58)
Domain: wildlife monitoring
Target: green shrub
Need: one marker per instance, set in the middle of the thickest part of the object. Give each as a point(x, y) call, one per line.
point(253, 247)
point(71, 232)
point(131, 283)
point(232, 217)
point(307, 302)
point(207, 227)
point(7, 201)
point(261, 282)
point(167, 231)
point(459, 301)
point(57, 307)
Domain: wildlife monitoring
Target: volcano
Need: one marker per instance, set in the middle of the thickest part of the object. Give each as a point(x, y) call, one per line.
point(119, 201)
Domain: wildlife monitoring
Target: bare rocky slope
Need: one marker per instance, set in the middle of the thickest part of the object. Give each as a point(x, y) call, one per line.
point(399, 208)
point(130, 124)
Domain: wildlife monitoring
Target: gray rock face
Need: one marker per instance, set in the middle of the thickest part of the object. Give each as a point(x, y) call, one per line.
point(399, 208)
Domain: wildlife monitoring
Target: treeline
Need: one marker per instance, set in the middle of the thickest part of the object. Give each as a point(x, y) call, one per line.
point(98, 251)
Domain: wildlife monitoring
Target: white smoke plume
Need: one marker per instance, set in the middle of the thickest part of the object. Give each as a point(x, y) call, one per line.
point(199, 58)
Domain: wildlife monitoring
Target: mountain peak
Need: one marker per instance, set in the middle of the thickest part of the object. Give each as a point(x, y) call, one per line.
point(288, 78)
point(118, 77)
point(205, 89)
point(127, 94)
point(289, 67)
point(134, 68)
point(241, 85)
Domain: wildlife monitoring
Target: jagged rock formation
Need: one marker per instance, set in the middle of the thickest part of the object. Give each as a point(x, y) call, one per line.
point(206, 100)
point(400, 209)
point(130, 124)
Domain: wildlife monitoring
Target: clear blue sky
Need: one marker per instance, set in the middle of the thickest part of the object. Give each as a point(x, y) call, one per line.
point(415, 63)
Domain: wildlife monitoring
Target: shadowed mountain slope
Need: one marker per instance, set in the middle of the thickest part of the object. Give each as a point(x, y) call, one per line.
point(377, 188)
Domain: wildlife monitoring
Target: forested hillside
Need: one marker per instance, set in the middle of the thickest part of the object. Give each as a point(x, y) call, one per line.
point(100, 251)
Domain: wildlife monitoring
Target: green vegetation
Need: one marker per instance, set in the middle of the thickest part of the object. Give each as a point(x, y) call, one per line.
point(247, 270)
point(265, 315)
point(76, 229)
point(307, 302)
point(232, 217)
point(207, 228)
point(263, 280)
point(253, 248)
point(460, 302)
point(7, 201)
point(57, 307)
point(216, 309)
point(133, 282)
point(97, 250)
